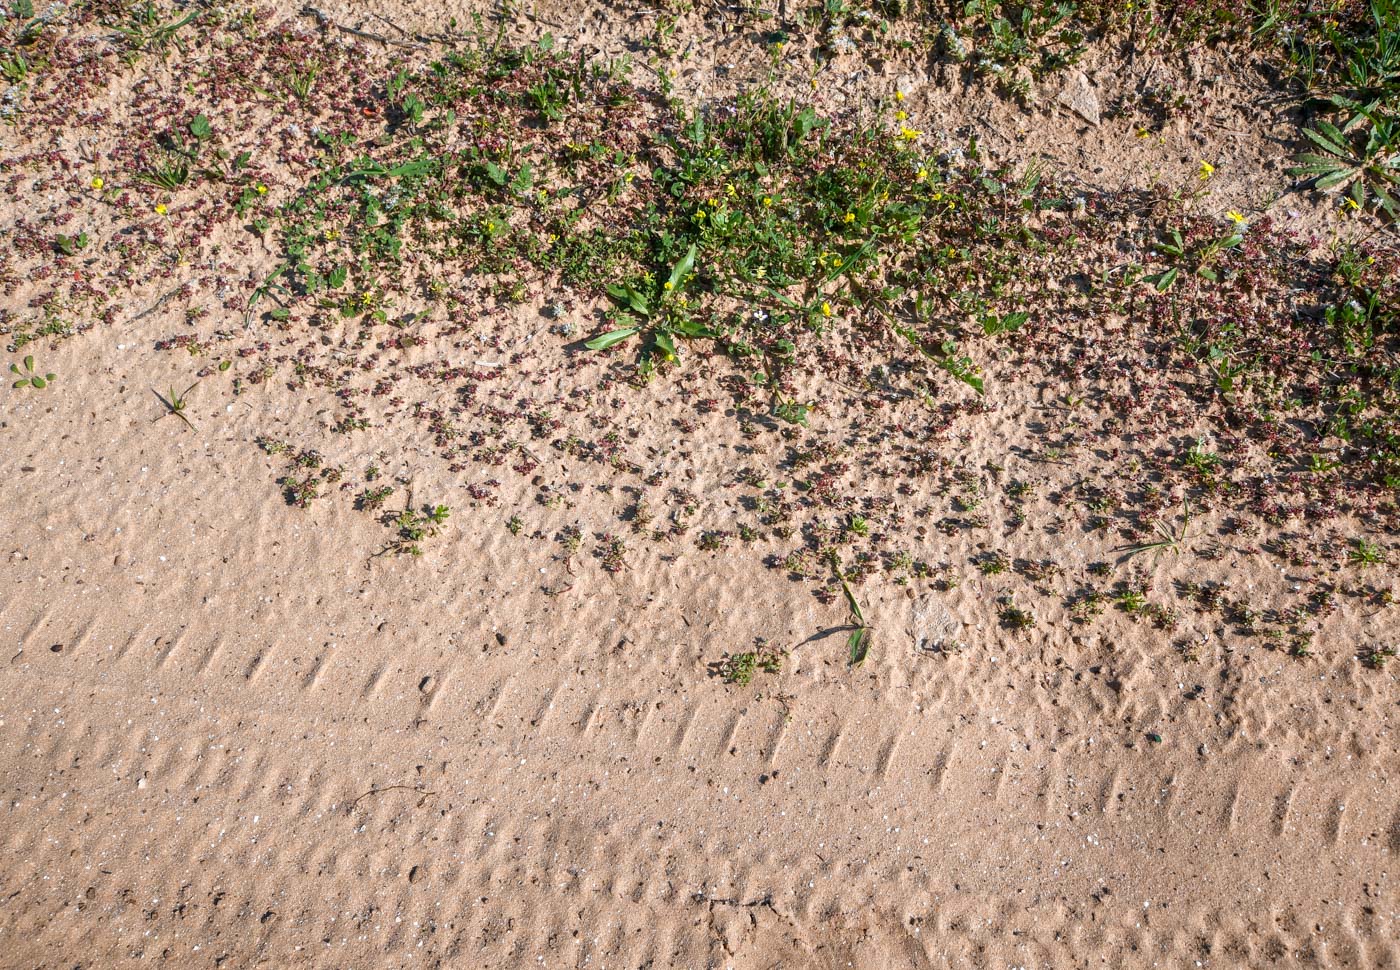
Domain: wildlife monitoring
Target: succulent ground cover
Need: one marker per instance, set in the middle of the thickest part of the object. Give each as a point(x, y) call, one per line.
point(497, 276)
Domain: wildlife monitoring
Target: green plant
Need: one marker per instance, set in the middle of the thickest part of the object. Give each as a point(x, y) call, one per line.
point(175, 405)
point(1366, 553)
point(664, 306)
point(858, 643)
point(144, 30)
point(1365, 162)
point(71, 245)
point(1197, 257)
point(415, 525)
point(740, 668)
point(1014, 617)
point(1171, 537)
point(29, 377)
point(1377, 657)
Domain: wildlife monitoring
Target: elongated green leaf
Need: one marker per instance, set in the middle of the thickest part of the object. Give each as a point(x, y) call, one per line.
point(850, 602)
point(1329, 139)
point(682, 269)
point(858, 645)
point(1335, 178)
point(666, 344)
point(610, 338)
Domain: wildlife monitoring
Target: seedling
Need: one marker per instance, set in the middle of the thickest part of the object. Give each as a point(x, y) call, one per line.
point(858, 643)
point(29, 377)
point(1171, 538)
point(1366, 553)
point(175, 404)
point(740, 668)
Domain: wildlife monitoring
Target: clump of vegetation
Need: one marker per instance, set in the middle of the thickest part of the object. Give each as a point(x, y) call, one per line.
point(741, 668)
point(849, 298)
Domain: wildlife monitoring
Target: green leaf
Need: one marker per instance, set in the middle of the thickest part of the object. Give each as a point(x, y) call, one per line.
point(666, 344)
point(1162, 282)
point(851, 603)
point(337, 277)
point(610, 338)
point(682, 269)
point(858, 645)
point(37, 381)
point(1329, 139)
point(225, 364)
point(692, 328)
point(200, 127)
point(628, 297)
point(1335, 178)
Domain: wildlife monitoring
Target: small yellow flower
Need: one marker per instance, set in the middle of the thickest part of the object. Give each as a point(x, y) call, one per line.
point(767, 201)
point(1350, 203)
point(900, 115)
point(850, 217)
point(908, 134)
point(922, 174)
point(1143, 133)
point(262, 189)
point(899, 95)
point(1236, 217)
point(161, 209)
point(826, 309)
point(97, 182)
point(729, 189)
point(668, 285)
point(699, 214)
point(1206, 170)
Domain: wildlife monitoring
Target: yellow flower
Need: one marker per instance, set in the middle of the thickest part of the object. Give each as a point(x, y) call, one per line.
point(850, 217)
point(97, 182)
point(729, 189)
point(900, 115)
point(899, 95)
point(923, 174)
point(1236, 217)
point(767, 200)
point(160, 209)
point(1143, 133)
point(262, 189)
point(1349, 202)
point(1206, 170)
point(908, 134)
point(826, 309)
point(668, 285)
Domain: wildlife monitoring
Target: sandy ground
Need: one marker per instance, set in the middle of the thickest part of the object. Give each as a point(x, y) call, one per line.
point(230, 738)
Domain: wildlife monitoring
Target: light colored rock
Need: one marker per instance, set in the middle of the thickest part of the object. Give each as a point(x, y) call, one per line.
point(1079, 96)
